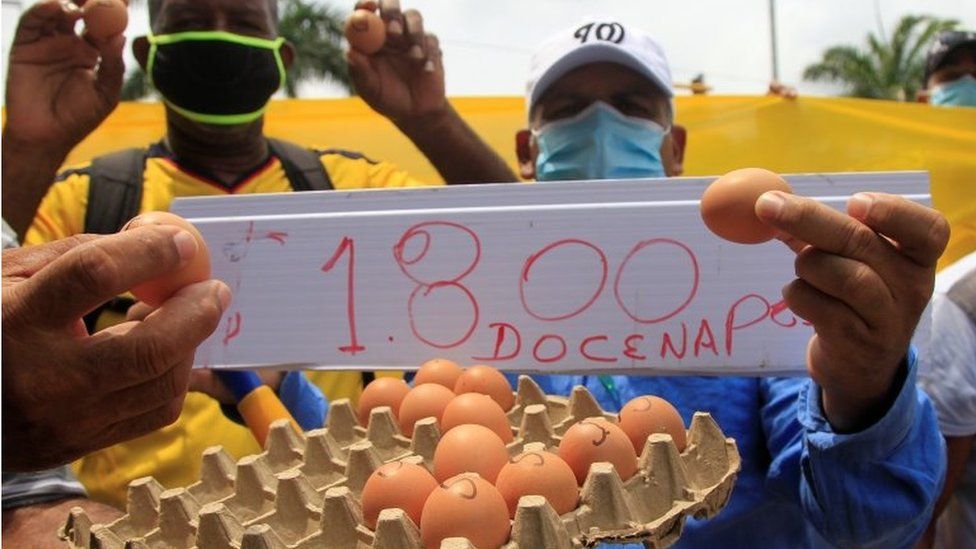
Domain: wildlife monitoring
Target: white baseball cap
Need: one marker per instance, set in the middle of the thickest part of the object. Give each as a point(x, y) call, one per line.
point(596, 41)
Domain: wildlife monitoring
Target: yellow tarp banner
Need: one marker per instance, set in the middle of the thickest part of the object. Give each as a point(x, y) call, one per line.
point(724, 133)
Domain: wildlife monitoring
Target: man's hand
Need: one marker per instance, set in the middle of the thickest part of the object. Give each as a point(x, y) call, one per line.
point(404, 81)
point(863, 280)
point(206, 381)
point(61, 86)
point(66, 393)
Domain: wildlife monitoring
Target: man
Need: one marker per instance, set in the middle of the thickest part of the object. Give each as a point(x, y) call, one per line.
point(215, 84)
point(947, 372)
point(851, 457)
point(950, 70)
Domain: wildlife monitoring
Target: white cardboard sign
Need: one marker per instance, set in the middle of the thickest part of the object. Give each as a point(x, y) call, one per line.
point(582, 276)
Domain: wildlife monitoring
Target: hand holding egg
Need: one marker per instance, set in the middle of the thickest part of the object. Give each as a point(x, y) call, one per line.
point(396, 66)
point(863, 280)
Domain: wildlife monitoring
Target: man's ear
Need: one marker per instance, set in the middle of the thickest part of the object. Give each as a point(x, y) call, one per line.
point(140, 49)
point(525, 152)
point(288, 54)
point(677, 140)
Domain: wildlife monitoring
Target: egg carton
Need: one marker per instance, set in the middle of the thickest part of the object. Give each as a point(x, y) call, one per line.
point(303, 491)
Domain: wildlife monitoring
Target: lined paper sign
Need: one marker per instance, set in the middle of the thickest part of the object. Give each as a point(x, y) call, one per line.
point(603, 276)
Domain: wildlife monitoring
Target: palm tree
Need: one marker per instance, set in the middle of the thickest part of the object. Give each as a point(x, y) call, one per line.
point(316, 33)
point(887, 69)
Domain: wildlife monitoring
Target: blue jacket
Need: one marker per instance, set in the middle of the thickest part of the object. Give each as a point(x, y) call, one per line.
point(801, 484)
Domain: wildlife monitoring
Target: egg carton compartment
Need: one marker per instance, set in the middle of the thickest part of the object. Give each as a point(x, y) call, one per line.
point(304, 491)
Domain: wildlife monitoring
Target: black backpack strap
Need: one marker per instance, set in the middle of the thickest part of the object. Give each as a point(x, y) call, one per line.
point(303, 167)
point(114, 197)
point(114, 190)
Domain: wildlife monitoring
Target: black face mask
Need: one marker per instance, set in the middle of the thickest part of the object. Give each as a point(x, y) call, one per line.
point(216, 77)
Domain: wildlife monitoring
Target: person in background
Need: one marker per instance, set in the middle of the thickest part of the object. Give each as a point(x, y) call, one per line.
point(950, 70)
point(947, 372)
point(849, 457)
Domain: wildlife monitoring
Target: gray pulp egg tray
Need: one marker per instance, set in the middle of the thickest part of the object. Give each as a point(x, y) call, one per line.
point(303, 492)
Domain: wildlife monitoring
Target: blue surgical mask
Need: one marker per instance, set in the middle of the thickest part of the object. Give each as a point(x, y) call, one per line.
point(599, 143)
point(958, 93)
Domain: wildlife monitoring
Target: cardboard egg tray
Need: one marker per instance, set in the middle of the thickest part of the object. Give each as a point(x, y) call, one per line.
point(303, 492)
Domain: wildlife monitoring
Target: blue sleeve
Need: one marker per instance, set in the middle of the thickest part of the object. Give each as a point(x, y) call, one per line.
point(304, 401)
point(874, 488)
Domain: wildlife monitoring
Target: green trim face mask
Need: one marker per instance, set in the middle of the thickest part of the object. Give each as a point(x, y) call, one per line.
point(216, 77)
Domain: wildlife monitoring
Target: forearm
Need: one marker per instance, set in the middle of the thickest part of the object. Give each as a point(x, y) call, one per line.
point(876, 487)
point(458, 153)
point(28, 172)
point(38, 525)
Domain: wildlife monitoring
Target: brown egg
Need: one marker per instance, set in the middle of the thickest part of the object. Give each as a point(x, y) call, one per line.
point(477, 409)
point(440, 371)
point(465, 506)
point(382, 391)
point(365, 31)
point(728, 205)
point(469, 449)
point(594, 440)
point(538, 474)
point(105, 18)
point(646, 415)
point(427, 400)
point(158, 290)
point(397, 484)
point(487, 381)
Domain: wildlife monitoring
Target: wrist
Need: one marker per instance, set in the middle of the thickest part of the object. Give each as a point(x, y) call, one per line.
point(852, 411)
point(32, 152)
point(429, 123)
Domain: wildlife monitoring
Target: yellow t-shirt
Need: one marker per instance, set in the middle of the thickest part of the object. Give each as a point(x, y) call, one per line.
point(172, 454)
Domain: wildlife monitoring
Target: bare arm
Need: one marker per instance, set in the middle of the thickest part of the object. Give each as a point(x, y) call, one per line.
point(458, 153)
point(404, 82)
point(28, 172)
point(38, 525)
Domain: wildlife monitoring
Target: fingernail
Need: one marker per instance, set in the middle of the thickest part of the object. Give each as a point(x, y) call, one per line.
point(394, 28)
point(224, 295)
point(770, 205)
point(416, 52)
point(429, 66)
point(859, 205)
point(186, 245)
